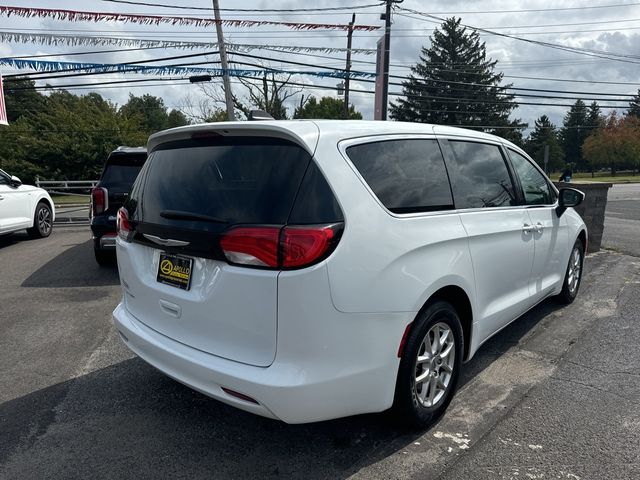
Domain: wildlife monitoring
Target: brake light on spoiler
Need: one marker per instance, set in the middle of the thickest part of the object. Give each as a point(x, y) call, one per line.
point(280, 247)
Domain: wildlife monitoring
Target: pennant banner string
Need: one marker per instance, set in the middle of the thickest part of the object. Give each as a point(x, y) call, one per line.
point(48, 66)
point(83, 40)
point(82, 16)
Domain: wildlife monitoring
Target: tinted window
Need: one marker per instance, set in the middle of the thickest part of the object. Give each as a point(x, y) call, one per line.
point(406, 175)
point(4, 178)
point(120, 174)
point(534, 185)
point(236, 180)
point(315, 202)
point(479, 176)
point(122, 168)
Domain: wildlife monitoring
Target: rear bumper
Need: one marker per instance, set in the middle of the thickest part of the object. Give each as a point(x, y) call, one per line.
point(294, 392)
point(103, 230)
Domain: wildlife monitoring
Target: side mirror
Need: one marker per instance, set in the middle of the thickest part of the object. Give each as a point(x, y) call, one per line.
point(15, 181)
point(568, 197)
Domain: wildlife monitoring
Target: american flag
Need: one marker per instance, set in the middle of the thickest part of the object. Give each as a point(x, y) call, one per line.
point(3, 110)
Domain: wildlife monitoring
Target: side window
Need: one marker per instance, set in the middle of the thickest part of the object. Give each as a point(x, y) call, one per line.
point(534, 185)
point(315, 202)
point(479, 176)
point(406, 175)
point(3, 180)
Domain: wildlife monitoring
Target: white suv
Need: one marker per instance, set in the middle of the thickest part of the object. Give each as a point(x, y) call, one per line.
point(24, 207)
point(309, 270)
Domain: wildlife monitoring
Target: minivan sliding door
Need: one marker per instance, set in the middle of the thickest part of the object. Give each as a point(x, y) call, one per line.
point(501, 242)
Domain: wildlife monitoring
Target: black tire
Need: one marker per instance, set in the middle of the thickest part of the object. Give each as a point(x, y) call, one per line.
point(105, 258)
point(42, 221)
point(408, 407)
point(570, 285)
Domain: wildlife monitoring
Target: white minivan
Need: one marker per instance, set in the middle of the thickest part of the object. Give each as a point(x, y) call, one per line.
point(309, 270)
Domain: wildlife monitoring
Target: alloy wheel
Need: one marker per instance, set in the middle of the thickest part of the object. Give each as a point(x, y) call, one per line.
point(434, 365)
point(44, 220)
point(575, 268)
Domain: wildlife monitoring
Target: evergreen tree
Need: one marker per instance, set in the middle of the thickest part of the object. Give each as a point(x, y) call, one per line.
point(576, 128)
point(455, 84)
point(545, 133)
point(595, 119)
point(634, 106)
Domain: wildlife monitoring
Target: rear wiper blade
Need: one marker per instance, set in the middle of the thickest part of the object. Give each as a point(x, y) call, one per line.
point(180, 215)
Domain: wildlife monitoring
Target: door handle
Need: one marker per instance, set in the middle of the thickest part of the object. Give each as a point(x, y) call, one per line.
point(526, 228)
point(539, 227)
point(1, 197)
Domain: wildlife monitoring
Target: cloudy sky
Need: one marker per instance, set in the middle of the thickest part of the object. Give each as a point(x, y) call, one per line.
point(614, 30)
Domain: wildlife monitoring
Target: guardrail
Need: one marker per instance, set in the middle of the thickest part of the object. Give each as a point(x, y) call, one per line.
point(69, 212)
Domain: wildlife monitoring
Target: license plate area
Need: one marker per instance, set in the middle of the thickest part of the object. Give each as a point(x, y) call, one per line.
point(175, 270)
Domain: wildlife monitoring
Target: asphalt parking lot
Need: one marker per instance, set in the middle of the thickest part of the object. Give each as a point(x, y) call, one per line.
point(555, 395)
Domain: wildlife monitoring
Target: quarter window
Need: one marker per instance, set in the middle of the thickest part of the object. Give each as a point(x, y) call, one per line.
point(479, 176)
point(406, 175)
point(534, 185)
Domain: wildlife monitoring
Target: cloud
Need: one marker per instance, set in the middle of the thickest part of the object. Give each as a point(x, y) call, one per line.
point(409, 35)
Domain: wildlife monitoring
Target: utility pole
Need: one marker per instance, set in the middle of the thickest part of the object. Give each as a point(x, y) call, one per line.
point(546, 158)
point(228, 95)
point(348, 67)
point(387, 45)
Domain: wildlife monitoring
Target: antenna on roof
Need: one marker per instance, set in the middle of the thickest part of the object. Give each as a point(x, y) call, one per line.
point(255, 115)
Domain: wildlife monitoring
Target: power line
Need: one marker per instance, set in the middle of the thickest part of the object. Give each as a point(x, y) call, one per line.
point(542, 25)
point(526, 10)
point(426, 100)
point(581, 51)
point(46, 75)
point(251, 10)
point(475, 84)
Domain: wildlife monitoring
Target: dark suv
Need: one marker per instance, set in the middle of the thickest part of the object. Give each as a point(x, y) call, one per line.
point(120, 171)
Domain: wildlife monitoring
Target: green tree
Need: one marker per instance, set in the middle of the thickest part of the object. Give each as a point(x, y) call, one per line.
point(634, 106)
point(575, 130)
point(454, 83)
point(595, 118)
point(152, 113)
point(69, 138)
point(616, 144)
point(21, 98)
point(327, 107)
point(176, 118)
point(545, 133)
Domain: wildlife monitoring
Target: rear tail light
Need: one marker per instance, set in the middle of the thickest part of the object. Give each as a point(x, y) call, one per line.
point(99, 200)
point(256, 246)
point(303, 245)
point(123, 225)
point(280, 247)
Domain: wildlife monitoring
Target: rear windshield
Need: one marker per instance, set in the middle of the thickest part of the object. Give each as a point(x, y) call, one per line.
point(235, 180)
point(122, 169)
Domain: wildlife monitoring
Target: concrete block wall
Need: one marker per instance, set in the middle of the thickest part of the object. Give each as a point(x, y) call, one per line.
point(592, 209)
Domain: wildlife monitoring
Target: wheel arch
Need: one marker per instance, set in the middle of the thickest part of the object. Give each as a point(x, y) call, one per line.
point(460, 300)
point(582, 236)
point(47, 200)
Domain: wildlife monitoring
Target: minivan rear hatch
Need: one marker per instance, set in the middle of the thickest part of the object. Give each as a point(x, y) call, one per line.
point(189, 193)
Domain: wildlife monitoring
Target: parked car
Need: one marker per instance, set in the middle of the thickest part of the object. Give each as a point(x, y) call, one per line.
point(24, 207)
point(119, 173)
point(311, 270)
